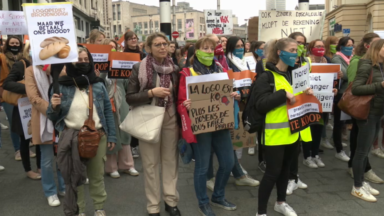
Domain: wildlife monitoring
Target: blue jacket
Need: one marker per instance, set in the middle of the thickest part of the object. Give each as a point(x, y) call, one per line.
point(101, 101)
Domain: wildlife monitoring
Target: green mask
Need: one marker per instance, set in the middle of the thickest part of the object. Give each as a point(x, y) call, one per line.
point(205, 58)
point(333, 48)
point(300, 50)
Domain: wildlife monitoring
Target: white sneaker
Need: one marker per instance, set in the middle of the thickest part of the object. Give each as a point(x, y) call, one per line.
point(329, 126)
point(115, 174)
point(309, 162)
point(211, 184)
point(133, 172)
point(363, 194)
point(1, 168)
point(87, 181)
point(372, 177)
point(285, 209)
point(371, 190)
point(344, 144)
point(251, 150)
point(342, 156)
point(81, 214)
point(53, 201)
point(378, 152)
point(301, 184)
point(291, 187)
point(100, 213)
point(3, 127)
point(326, 144)
point(247, 181)
point(318, 161)
point(260, 214)
point(244, 171)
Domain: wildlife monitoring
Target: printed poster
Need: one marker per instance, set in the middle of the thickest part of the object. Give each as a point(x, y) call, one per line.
point(241, 138)
point(219, 22)
point(304, 112)
point(190, 26)
point(280, 24)
point(328, 68)
point(300, 79)
point(25, 111)
point(51, 32)
point(212, 106)
point(322, 86)
point(122, 64)
point(242, 81)
point(100, 55)
point(13, 23)
point(251, 61)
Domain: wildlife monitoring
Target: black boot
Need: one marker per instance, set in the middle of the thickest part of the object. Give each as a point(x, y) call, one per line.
point(173, 211)
point(155, 214)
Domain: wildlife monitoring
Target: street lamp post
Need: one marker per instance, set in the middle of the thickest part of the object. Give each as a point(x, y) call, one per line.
point(185, 24)
point(246, 29)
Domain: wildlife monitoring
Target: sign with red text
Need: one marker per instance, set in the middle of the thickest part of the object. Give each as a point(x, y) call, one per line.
point(304, 112)
point(212, 106)
point(218, 22)
point(13, 23)
point(100, 55)
point(122, 64)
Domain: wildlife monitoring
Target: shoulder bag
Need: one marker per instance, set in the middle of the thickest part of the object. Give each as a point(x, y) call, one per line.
point(11, 97)
point(357, 107)
point(89, 137)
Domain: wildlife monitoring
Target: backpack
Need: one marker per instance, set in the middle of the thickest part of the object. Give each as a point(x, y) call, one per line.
point(253, 121)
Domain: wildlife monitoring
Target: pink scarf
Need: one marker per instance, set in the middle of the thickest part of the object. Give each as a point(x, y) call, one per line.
point(346, 59)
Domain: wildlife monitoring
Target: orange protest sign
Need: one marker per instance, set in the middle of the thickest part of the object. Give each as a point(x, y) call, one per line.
point(328, 68)
point(121, 42)
point(26, 38)
point(100, 55)
point(242, 81)
point(122, 64)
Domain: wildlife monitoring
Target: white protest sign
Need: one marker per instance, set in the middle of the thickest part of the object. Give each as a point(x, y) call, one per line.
point(250, 59)
point(280, 24)
point(321, 82)
point(326, 100)
point(380, 33)
point(205, 78)
point(300, 79)
point(218, 22)
point(51, 31)
point(13, 23)
point(25, 111)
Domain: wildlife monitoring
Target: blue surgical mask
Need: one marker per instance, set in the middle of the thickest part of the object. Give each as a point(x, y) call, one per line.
point(260, 52)
point(239, 53)
point(347, 51)
point(288, 58)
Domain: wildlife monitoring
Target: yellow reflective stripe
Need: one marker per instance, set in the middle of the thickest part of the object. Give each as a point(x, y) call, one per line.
point(54, 3)
point(193, 72)
point(277, 125)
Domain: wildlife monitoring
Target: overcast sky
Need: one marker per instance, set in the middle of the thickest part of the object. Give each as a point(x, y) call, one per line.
point(243, 9)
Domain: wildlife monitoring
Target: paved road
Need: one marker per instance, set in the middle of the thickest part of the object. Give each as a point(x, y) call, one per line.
point(328, 193)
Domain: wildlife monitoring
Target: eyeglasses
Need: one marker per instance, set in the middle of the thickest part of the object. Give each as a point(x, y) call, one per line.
point(159, 45)
point(135, 38)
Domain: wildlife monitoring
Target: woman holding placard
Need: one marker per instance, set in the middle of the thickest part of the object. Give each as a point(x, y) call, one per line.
point(280, 144)
point(155, 80)
point(13, 85)
point(343, 56)
point(360, 51)
point(120, 158)
point(203, 63)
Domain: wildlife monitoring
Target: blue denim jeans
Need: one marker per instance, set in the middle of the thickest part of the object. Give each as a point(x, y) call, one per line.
point(220, 143)
point(8, 108)
point(47, 173)
point(236, 171)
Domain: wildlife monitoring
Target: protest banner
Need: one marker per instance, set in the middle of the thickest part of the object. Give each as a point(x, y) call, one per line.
point(242, 81)
point(100, 55)
point(212, 106)
point(304, 112)
point(122, 64)
point(241, 138)
point(280, 24)
point(321, 82)
point(328, 68)
point(218, 22)
point(25, 112)
point(251, 61)
point(121, 42)
point(205, 78)
point(300, 79)
point(13, 23)
point(326, 100)
point(51, 32)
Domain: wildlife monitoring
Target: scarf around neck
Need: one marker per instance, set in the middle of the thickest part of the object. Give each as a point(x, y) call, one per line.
point(201, 69)
point(346, 59)
point(11, 58)
point(322, 60)
point(241, 64)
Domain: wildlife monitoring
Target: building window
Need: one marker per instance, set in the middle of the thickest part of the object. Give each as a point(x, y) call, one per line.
point(201, 19)
point(120, 29)
point(113, 8)
point(179, 24)
point(151, 24)
point(201, 28)
point(118, 16)
point(114, 30)
point(82, 25)
point(78, 39)
point(80, 1)
point(145, 32)
point(145, 25)
point(78, 22)
point(85, 4)
point(134, 25)
point(141, 25)
point(156, 24)
point(114, 16)
point(138, 10)
point(118, 8)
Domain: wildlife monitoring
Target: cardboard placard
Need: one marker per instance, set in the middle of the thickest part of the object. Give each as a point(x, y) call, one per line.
point(205, 78)
point(304, 112)
point(121, 42)
point(241, 138)
point(100, 55)
point(280, 24)
point(212, 106)
point(300, 79)
point(25, 112)
point(51, 32)
point(328, 68)
point(122, 64)
point(242, 81)
point(13, 23)
point(218, 22)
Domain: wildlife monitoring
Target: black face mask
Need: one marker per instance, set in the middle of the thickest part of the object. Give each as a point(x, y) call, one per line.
point(14, 49)
point(83, 68)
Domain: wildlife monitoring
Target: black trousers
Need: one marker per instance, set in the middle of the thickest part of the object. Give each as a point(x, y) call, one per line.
point(24, 152)
point(278, 159)
point(311, 149)
point(353, 145)
point(337, 125)
point(261, 146)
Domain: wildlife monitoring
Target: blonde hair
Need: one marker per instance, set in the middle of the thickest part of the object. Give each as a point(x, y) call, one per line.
point(281, 44)
point(94, 35)
point(107, 41)
point(204, 40)
point(373, 52)
point(26, 49)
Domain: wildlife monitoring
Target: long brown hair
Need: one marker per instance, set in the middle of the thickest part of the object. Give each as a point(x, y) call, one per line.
point(281, 44)
point(330, 40)
point(201, 42)
point(5, 46)
point(94, 35)
point(373, 53)
point(360, 49)
point(255, 45)
point(128, 35)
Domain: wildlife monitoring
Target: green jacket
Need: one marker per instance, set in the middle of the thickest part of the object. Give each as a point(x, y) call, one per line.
point(352, 68)
point(360, 87)
point(336, 59)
